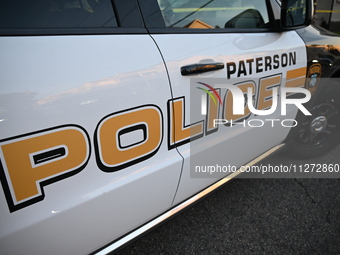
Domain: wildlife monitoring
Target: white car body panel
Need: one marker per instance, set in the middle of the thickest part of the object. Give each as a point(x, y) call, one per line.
point(181, 50)
point(43, 72)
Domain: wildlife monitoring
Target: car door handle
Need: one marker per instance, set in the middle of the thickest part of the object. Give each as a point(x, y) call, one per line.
point(201, 68)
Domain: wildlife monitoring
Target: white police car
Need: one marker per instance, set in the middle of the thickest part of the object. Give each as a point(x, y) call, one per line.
point(112, 111)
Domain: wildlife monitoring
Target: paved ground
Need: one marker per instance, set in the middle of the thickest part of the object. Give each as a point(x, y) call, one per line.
point(256, 216)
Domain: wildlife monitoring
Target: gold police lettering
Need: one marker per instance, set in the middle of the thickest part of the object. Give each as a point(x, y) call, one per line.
point(29, 162)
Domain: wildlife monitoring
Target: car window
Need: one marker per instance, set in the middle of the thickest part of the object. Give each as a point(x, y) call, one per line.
point(214, 14)
point(296, 13)
point(56, 14)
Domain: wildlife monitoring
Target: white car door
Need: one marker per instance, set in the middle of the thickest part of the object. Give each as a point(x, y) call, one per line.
point(83, 126)
point(206, 46)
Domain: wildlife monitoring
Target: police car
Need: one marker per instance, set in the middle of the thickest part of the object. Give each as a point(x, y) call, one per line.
point(111, 112)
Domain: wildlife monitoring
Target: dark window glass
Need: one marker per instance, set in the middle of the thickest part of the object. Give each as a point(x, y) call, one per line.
point(212, 14)
point(56, 14)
